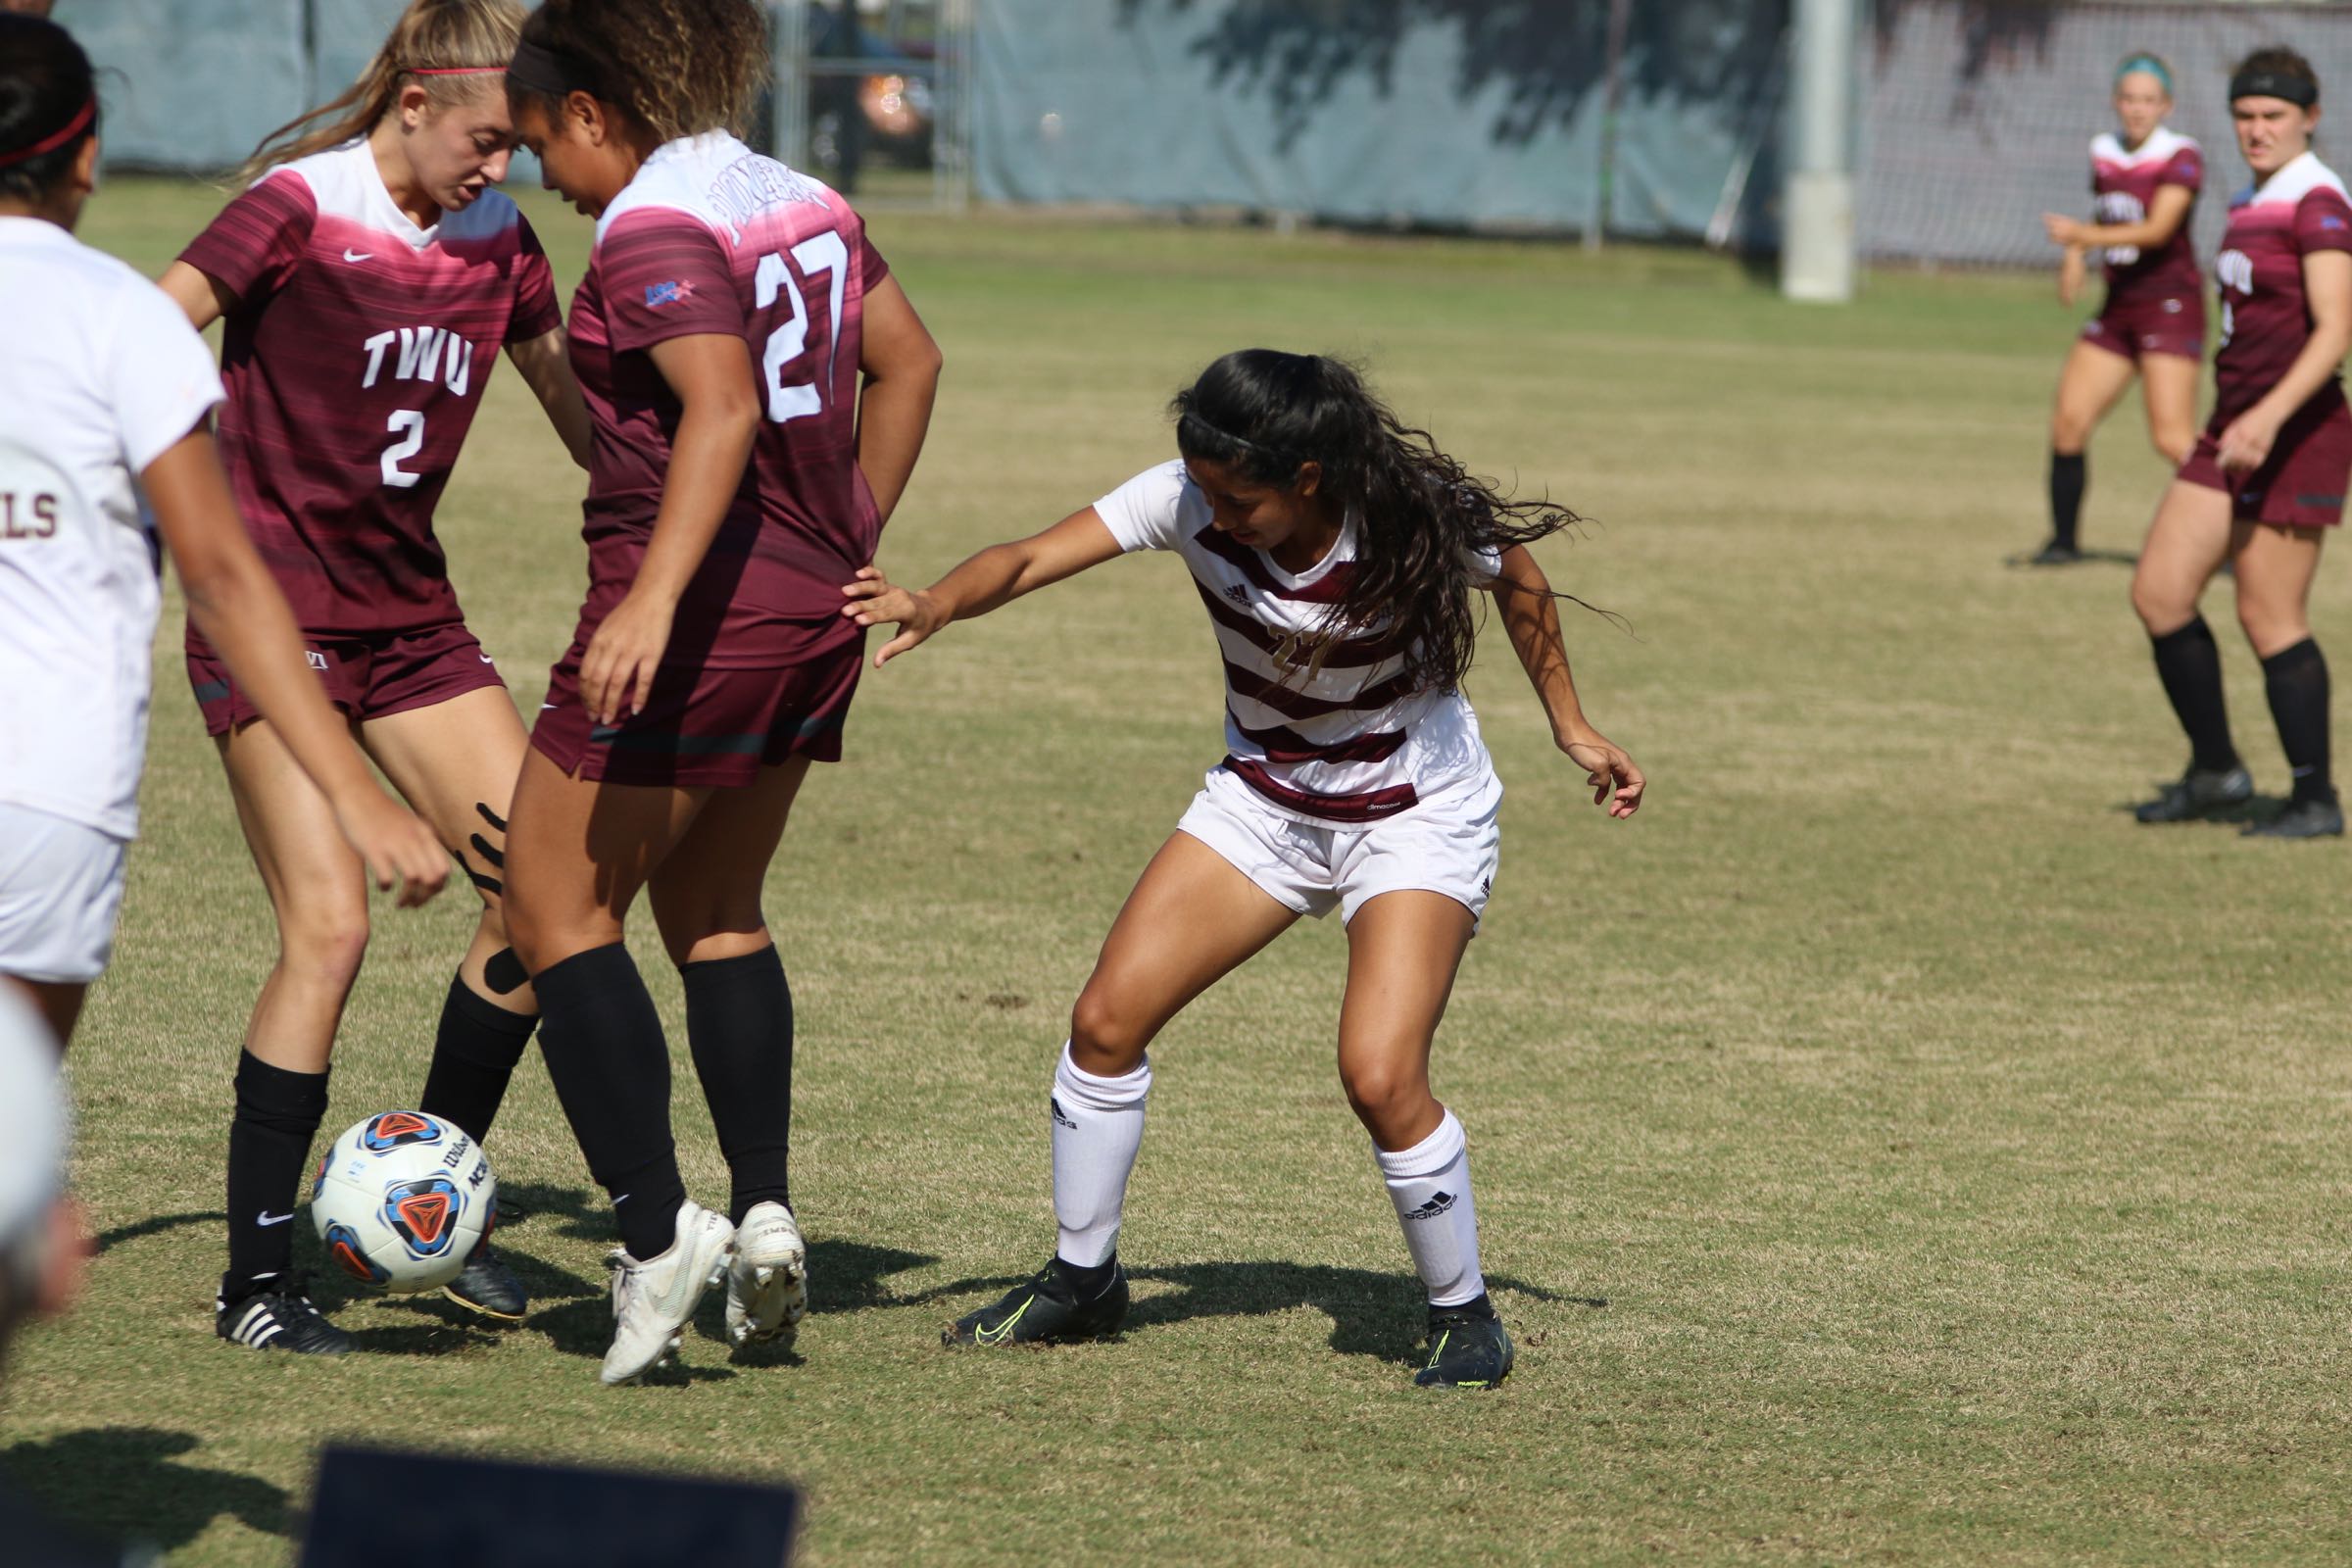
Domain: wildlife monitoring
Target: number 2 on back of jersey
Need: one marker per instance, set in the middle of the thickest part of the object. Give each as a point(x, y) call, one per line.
point(806, 395)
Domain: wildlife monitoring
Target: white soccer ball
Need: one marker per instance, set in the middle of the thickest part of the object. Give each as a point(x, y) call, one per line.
point(402, 1200)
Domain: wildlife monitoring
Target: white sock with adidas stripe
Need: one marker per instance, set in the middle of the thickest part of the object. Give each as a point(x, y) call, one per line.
point(1098, 1127)
point(1430, 1185)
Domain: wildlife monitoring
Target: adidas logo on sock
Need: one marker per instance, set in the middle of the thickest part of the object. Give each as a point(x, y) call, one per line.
point(1436, 1205)
point(1062, 1118)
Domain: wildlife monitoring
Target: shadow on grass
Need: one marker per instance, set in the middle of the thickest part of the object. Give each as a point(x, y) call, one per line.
point(2087, 557)
point(1372, 1312)
point(127, 1480)
point(156, 1224)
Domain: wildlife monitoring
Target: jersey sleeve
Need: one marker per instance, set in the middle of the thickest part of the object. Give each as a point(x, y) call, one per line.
point(536, 312)
point(2185, 168)
point(1142, 512)
point(254, 246)
point(871, 267)
point(2323, 222)
point(159, 378)
point(665, 275)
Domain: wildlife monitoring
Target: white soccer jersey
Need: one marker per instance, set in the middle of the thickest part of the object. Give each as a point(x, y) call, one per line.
point(101, 374)
point(1345, 739)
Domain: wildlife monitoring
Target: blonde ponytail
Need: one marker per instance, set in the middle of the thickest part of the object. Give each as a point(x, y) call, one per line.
point(437, 44)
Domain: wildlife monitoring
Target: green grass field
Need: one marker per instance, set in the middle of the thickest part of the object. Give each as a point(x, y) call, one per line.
point(1888, 1152)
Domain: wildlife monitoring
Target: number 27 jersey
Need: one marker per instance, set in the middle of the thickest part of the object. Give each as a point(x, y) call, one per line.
point(713, 238)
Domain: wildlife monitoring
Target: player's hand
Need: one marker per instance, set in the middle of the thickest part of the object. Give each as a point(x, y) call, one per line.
point(875, 600)
point(1616, 782)
point(2246, 442)
point(2070, 276)
point(2064, 230)
point(616, 673)
point(401, 851)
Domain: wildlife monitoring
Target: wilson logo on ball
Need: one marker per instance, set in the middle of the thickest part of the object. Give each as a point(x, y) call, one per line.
point(421, 1212)
point(343, 1246)
point(395, 1127)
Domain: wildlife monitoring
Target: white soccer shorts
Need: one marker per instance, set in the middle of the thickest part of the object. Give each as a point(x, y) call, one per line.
point(1449, 844)
point(61, 887)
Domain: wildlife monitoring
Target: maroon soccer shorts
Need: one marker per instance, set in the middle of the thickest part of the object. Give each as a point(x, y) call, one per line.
point(703, 726)
point(2301, 485)
point(367, 677)
point(2132, 327)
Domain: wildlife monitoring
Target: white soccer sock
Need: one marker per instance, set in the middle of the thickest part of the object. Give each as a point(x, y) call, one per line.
point(1098, 1126)
point(1430, 1185)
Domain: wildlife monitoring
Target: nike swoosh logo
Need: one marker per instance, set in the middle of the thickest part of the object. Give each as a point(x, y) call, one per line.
point(264, 1217)
point(547, 707)
point(1003, 1331)
point(358, 256)
point(487, 660)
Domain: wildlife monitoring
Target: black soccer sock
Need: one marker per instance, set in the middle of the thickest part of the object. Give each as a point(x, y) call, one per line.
point(2189, 663)
point(2069, 475)
point(739, 1027)
point(268, 1144)
point(474, 1053)
point(2296, 681)
point(610, 1067)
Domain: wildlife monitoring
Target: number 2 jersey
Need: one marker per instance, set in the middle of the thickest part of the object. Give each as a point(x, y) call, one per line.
point(354, 358)
point(713, 238)
point(2124, 182)
point(1324, 732)
point(2265, 320)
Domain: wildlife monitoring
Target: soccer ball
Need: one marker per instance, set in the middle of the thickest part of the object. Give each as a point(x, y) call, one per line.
point(402, 1200)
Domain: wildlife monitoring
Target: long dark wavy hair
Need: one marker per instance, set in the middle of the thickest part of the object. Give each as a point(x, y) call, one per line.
point(1421, 517)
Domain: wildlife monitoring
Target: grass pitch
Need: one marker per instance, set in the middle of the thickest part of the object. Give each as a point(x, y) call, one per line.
point(1888, 1152)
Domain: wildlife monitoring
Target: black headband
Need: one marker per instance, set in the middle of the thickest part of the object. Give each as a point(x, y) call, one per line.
point(557, 72)
point(2274, 85)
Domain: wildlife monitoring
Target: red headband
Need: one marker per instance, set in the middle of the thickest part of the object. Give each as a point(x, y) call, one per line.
point(49, 144)
point(455, 70)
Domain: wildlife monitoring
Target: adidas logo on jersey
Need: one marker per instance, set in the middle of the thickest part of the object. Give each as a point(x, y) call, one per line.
point(1438, 1204)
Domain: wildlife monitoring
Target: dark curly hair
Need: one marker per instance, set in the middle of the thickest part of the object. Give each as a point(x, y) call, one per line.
point(677, 66)
point(1421, 518)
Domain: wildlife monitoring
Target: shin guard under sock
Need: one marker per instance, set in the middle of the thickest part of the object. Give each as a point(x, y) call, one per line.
point(610, 1067)
point(1430, 1185)
point(270, 1137)
point(2296, 681)
point(739, 1027)
point(1098, 1128)
point(474, 1054)
point(2189, 663)
point(2068, 476)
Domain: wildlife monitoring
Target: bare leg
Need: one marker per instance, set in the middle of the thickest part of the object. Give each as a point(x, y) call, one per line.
point(58, 1000)
point(1402, 951)
point(2089, 385)
point(2168, 384)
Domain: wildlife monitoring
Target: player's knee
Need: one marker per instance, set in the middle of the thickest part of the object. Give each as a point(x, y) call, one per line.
point(1107, 1039)
point(2069, 431)
point(326, 942)
point(1384, 1094)
point(2160, 606)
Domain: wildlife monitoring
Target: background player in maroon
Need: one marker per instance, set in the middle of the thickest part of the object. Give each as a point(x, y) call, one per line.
point(2267, 478)
point(368, 278)
point(2153, 322)
point(741, 474)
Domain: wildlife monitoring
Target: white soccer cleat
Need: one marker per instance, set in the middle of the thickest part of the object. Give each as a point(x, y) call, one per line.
point(767, 1284)
point(653, 1300)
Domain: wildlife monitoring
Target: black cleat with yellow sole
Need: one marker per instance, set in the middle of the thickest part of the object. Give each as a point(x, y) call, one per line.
point(486, 1284)
point(1057, 1306)
point(1467, 1348)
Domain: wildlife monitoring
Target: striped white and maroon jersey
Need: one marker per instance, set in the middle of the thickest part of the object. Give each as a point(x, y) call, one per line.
point(1324, 732)
point(2125, 180)
point(2265, 320)
point(354, 358)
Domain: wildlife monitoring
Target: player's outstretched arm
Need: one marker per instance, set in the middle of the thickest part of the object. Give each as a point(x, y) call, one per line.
point(205, 297)
point(2166, 214)
point(900, 363)
point(544, 365)
point(996, 577)
point(236, 605)
point(1532, 616)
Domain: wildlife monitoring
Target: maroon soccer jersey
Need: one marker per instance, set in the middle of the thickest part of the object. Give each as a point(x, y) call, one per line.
point(2265, 320)
point(354, 358)
point(2125, 181)
point(713, 238)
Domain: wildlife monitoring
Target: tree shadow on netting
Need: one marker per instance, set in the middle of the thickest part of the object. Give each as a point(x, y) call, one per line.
point(123, 1483)
point(1372, 1312)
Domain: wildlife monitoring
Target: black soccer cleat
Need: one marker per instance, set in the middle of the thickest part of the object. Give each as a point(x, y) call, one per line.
point(1467, 1348)
point(1046, 1310)
point(486, 1284)
point(2055, 554)
point(2302, 819)
point(283, 1319)
point(2199, 792)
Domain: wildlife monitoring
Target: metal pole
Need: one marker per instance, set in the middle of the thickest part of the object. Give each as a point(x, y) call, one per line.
point(788, 82)
point(951, 90)
point(1817, 244)
point(1612, 102)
